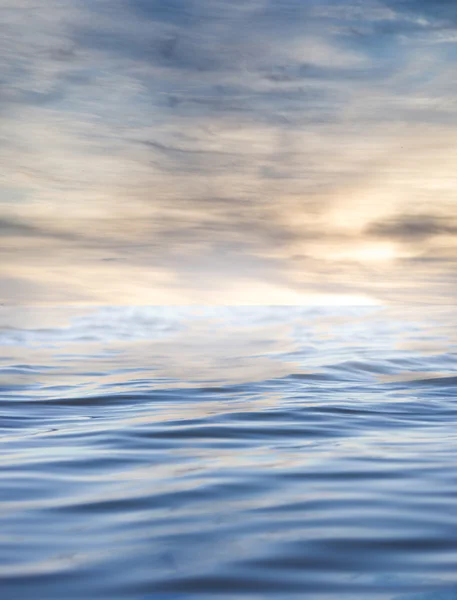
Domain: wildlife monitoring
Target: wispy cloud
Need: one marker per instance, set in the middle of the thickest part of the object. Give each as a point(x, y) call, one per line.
point(232, 152)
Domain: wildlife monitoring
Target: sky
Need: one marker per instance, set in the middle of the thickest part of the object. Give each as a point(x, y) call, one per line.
point(181, 152)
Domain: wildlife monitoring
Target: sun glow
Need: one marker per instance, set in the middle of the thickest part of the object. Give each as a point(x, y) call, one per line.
point(362, 253)
point(377, 252)
point(264, 294)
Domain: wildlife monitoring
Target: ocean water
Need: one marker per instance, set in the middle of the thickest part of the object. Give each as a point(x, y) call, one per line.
point(244, 452)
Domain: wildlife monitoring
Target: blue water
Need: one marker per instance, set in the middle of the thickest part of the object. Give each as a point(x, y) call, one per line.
point(248, 453)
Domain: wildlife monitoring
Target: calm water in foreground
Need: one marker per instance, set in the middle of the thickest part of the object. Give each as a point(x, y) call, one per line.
point(241, 453)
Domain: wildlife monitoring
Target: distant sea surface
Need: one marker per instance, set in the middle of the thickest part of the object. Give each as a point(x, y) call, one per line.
point(245, 452)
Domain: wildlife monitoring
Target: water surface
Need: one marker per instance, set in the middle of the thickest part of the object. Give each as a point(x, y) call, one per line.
point(246, 452)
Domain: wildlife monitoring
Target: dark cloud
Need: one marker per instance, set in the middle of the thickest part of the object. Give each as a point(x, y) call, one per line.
point(12, 227)
point(181, 12)
point(413, 228)
point(17, 228)
point(194, 12)
point(444, 10)
point(302, 72)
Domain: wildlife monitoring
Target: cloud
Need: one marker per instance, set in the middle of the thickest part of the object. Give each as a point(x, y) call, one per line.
point(442, 10)
point(14, 228)
point(414, 228)
point(178, 151)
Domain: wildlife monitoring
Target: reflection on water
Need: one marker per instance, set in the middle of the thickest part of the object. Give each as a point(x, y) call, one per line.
point(236, 452)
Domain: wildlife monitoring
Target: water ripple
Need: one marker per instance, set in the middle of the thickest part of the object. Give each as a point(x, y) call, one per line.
point(317, 467)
